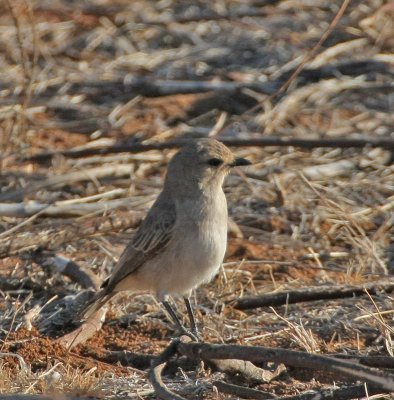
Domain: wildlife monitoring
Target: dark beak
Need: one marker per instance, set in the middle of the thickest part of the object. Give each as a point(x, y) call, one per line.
point(240, 162)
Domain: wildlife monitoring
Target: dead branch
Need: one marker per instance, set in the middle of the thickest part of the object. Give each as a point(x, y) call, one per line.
point(77, 273)
point(129, 87)
point(126, 89)
point(322, 171)
point(313, 294)
point(23, 210)
point(242, 370)
point(127, 358)
point(155, 374)
point(370, 361)
point(349, 68)
point(21, 243)
point(11, 283)
point(17, 396)
point(345, 393)
point(247, 371)
point(379, 380)
point(211, 16)
point(144, 361)
point(265, 141)
point(377, 361)
point(257, 354)
point(242, 392)
point(116, 171)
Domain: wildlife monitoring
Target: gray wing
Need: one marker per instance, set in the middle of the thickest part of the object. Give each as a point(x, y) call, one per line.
point(151, 238)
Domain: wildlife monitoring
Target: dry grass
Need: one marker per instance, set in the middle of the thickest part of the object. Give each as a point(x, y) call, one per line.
point(63, 73)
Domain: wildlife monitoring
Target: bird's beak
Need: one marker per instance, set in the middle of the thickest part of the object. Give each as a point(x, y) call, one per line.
point(240, 162)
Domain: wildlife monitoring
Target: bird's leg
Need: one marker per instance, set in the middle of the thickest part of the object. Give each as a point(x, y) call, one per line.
point(173, 315)
point(177, 322)
point(192, 319)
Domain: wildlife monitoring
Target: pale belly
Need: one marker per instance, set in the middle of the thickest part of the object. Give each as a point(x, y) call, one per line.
point(188, 261)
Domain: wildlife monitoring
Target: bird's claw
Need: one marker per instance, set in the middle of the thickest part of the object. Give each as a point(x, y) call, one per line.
point(193, 335)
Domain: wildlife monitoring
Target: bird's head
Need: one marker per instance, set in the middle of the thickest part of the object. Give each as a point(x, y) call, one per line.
point(203, 162)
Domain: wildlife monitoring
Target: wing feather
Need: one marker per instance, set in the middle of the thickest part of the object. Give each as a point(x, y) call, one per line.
point(152, 237)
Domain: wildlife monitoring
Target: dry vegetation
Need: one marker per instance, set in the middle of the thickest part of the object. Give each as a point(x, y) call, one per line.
point(89, 75)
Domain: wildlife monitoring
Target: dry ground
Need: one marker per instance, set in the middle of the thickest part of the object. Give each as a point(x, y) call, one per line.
point(302, 218)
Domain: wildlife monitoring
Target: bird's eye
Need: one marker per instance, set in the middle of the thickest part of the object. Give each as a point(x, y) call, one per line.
point(215, 162)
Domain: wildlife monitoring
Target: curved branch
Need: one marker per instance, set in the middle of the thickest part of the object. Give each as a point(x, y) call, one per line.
point(160, 388)
point(155, 373)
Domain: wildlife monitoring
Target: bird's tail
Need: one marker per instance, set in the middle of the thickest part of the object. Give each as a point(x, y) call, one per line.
point(98, 301)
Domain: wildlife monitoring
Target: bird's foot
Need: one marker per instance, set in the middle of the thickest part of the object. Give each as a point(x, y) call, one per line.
point(196, 333)
point(193, 335)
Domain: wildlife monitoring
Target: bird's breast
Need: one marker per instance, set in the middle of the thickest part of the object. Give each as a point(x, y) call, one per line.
point(205, 219)
point(198, 246)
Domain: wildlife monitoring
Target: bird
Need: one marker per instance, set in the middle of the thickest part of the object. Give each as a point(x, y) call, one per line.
point(182, 241)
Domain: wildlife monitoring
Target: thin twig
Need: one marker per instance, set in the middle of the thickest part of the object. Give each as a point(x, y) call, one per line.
point(311, 53)
point(308, 57)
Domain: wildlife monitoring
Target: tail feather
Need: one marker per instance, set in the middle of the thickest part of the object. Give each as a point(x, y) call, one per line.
point(98, 301)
